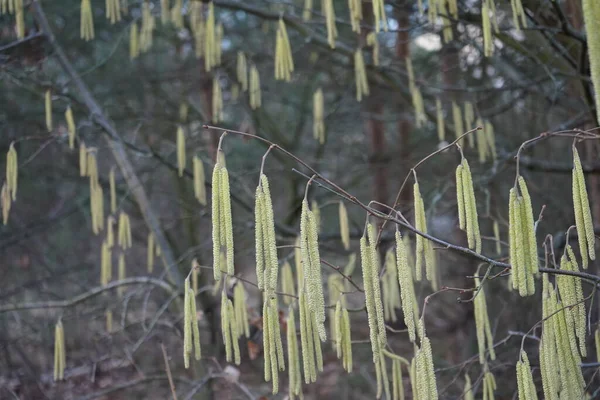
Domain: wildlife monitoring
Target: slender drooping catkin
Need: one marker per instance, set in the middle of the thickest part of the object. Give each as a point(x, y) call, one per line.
point(294, 373)
point(343, 340)
point(5, 203)
point(312, 358)
point(441, 127)
point(222, 225)
point(191, 332)
point(379, 15)
point(335, 289)
point(242, 70)
point(424, 249)
point(390, 287)
point(373, 42)
point(273, 347)
point(210, 39)
point(356, 15)
point(407, 289)
point(548, 355)
point(497, 237)
point(425, 381)
point(255, 97)
point(181, 159)
point(71, 130)
point(469, 121)
point(113, 11)
point(591, 16)
point(457, 120)
point(134, 41)
point(86, 21)
point(287, 283)
point(284, 63)
point(468, 389)
point(519, 16)
point(485, 340)
point(124, 237)
point(113, 191)
point(105, 264)
point(311, 264)
point(329, 13)
point(307, 10)
point(217, 101)
point(489, 386)
point(318, 117)
point(467, 205)
point(571, 294)
point(150, 253)
point(360, 75)
point(488, 44)
point(415, 94)
point(199, 178)
point(48, 108)
point(12, 172)
point(229, 330)
point(241, 310)
point(527, 390)
point(344, 226)
point(583, 214)
point(267, 267)
point(60, 358)
point(121, 270)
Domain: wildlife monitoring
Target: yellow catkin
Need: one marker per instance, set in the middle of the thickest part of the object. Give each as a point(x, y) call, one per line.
point(105, 264)
point(255, 96)
point(147, 28)
point(266, 247)
point(124, 236)
point(222, 225)
point(441, 128)
point(242, 70)
point(177, 14)
point(307, 10)
point(379, 15)
point(389, 282)
point(490, 139)
point(113, 11)
point(273, 346)
point(583, 214)
point(121, 273)
point(217, 102)
point(165, 12)
point(488, 44)
point(71, 130)
point(597, 343)
point(191, 332)
point(470, 208)
point(591, 16)
point(218, 40)
point(82, 159)
point(457, 120)
point(210, 39)
point(407, 290)
point(425, 255)
point(529, 226)
point(469, 121)
point(113, 191)
point(468, 389)
point(59, 352)
point(527, 390)
point(287, 283)
point(329, 12)
point(373, 42)
point(497, 237)
point(225, 329)
point(199, 178)
point(241, 311)
point(134, 41)
point(294, 374)
point(306, 337)
point(12, 172)
point(360, 76)
point(519, 16)
point(489, 386)
point(48, 108)
point(425, 373)
point(6, 203)
point(86, 21)
point(318, 116)
point(284, 62)
point(460, 197)
point(416, 96)
point(344, 226)
point(485, 340)
point(356, 15)
point(110, 234)
point(181, 152)
point(150, 253)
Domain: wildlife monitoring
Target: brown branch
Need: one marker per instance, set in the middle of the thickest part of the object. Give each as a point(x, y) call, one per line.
point(168, 369)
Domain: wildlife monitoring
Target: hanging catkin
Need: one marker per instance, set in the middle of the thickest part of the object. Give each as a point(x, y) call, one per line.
point(191, 332)
point(489, 386)
point(312, 357)
point(407, 289)
point(255, 98)
point(6, 203)
point(519, 16)
point(113, 11)
point(415, 94)
point(199, 178)
point(457, 120)
point(181, 159)
point(467, 205)
point(113, 191)
point(60, 359)
point(373, 42)
point(134, 41)
point(523, 245)
point(307, 10)
point(150, 253)
point(591, 16)
point(165, 12)
point(177, 14)
point(294, 374)
point(266, 247)
point(360, 75)
point(222, 226)
point(121, 273)
point(335, 289)
point(485, 340)
point(583, 214)
point(273, 347)
point(469, 121)
point(318, 117)
point(229, 330)
point(488, 44)
point(124, 236)
point(110, 234)
point(86, 21)
point(425, 381)
point(441, 128)
point(379, 15)
point(490, 139)
point(240, 310)
point(329, 13)
point(217, 102)
point(311, 264)
point(497, 237)
point(390, 287)
point(468, 389)
point(71, 130)
point(147, 28)
point(344, 226)
point(105, 264)
point(527, 390)
point(242, 70)
point(48, 108)
point(356, 16)
point(12, 171)
point(343, 340)
point(287, 283)
point(218, 40)
point(284, 63)
point(424, 249)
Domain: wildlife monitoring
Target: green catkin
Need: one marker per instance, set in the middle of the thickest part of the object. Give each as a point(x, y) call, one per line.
point(308, 355)
point(195, 329)
point(530, 230)
point(468, 390)
point(187, 326)
point(222, 226)
point(233, 332)
point(583, 214)
point(485, 339)
point(344, 226)
point(272, 342)
point(490, 138)
point(457, 120)
point(199, 177)
point(519, 16)
point(71, 129)
point(318, 117)
point(82, 159)
point(424, 250)
point(335, 287)
point(379, 15)
point(571, 294)
point(469, 207)
point(12, 172)
point(181, 160)
point(360, 76)
point(469, 120)
point(397, 387)
point(374, 270)
point(113, 191)
point(287, 283)
point(425, 374)
point(489, 386)
point(316, 212)
point(113, 11)
point(124, 238)
point(241, 311)
point(6, 203)
point(525, 383)
point(110, 234)
point(105, 264)
point(210, 39)
point(294, 374)
point(60, 360)
point(329, 13)
point(356, 16)
point(337, 332)
point(407, 290)
point(134, 42)
point(242, 70)
point(346, 341)
point(266, 247)
point(284, 63)
point(255, 97)
point(441, 127)
point(226, 321)
point(86, 21)
point(460, 197)
point(488, 44)
point(373, 42)
point(591, 16)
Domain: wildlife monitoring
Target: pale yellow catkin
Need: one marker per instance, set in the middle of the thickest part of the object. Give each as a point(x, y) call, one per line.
point(457, 120)
point(591, 16)
point(242, 70)
point(294, 374)
point(82, 159)
point(177, 14)
point(19, 19)
point(266, 247)
point(71, 130)
point(48, 108)
point(287, 283)
point(470, 208)
point(597, 343)
point(222, 223)
point(360, 75)
point(199, 178)
point(379, 16)
point(497, 237)
point(355, 7)
point(181, 156)
point(6, 203)
point(241, 310)
point(526, 387)
point(210, 39)
point(407, 290)
point(468, 389)
point(582, 211)
point(489, 386)
point(519, 16)
point(113, 11)
point(121, 273)
point(425, 373)
point(344, 226)
point(469, 121)
point(150, 253)
point(318, 116)
point(12, 173)
point(307, 340)
point(571, 293)
point(59, 352)
point(425, 255)
point(272, 344)
point(86, 21)
point(255, 96)
point(329, 12)
point(217, 102)
point(307, 10)
point(390, 287)
point(284, 62)
point(441, 127)
point(134, 42)
point(124, 236)
point(110, 234)
point(485, 340)
point(165, 14)
point(373, 42)
point(113, 191)
point(105, 264)
point(488, 44)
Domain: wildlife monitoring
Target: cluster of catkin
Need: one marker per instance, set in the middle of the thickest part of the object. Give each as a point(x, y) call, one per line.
point(423, 380)
point(583, 214)
point(389, 284)
point(284, 62)
point(467, 205)
point(424, 248)
point(356, 15)
point(87, 21)
point(222, 226)
point(191, 332)
point(9, 189)
point(229, 329)
point(343, 340)
point(60, 358)
point(519, 16)
point(113, 11)
point(522, 240)
point(273, 347)
point(312, 356)
point(525, 383)
point(571, 294)
point(488, 19)
point(294, 373)
point(485, 340)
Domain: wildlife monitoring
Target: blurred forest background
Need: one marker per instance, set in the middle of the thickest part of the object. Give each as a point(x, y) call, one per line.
point(128, 108)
